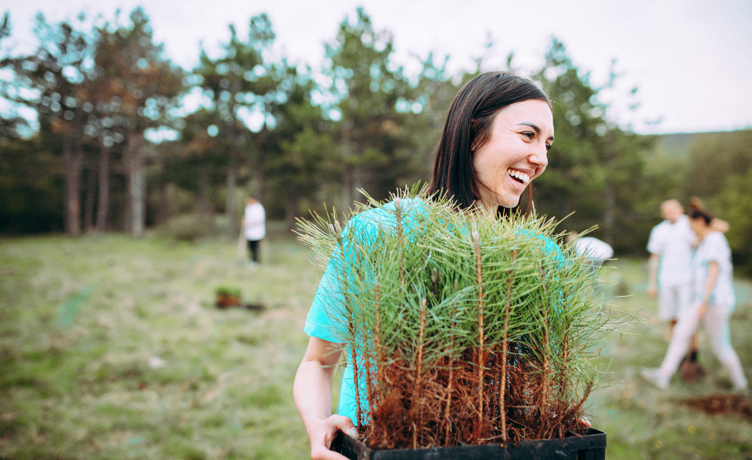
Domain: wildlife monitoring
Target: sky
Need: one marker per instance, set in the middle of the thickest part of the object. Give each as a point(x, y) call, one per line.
point(691, 60)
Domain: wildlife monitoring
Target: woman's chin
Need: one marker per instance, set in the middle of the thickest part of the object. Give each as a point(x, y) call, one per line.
point(509, 202)
point(505, 200)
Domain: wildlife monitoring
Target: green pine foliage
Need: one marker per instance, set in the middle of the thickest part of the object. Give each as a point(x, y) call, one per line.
point(435, 302)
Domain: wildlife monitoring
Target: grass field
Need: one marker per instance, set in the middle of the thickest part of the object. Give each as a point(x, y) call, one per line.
point(112, 348)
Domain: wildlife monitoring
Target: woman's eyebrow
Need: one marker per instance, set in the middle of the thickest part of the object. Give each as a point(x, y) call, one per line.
point(535, 128)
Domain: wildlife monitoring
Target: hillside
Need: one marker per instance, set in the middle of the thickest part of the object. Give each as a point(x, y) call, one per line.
point(678, 145)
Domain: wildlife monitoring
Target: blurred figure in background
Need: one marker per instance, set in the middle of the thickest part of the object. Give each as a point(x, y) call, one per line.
point(254, 223)
point(670, 248)
point(594, 249)
point(712, 302)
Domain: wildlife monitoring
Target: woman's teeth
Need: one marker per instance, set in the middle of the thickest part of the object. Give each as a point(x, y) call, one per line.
point(520, 176)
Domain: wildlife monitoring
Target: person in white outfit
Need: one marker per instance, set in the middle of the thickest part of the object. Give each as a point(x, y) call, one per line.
point(712, 303)
point(670, 248)
point(254, 222)
point(592, 248)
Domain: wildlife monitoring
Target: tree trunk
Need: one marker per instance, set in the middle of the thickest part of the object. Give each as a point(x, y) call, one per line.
point(128, 210)
point(73, 159)
point(138, 198)
point(91, 183)
point(232, 178)
point(136, 166)
point(103, 210)
point(347, 187)
point(347, 173)
point(293, 198)
point(259, 174)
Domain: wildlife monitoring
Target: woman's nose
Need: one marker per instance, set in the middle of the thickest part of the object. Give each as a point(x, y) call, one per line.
point(539, 156)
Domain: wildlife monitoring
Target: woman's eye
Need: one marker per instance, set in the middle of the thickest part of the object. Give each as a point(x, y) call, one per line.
point(548, 147)
point(529, 134)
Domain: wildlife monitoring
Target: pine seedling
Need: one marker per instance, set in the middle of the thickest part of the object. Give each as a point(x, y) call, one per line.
point(462, 327)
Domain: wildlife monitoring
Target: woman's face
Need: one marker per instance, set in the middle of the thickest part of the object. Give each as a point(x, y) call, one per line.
point(515, 154)
point(697, 225)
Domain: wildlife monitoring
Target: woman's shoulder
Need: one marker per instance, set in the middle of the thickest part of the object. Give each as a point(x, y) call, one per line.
point(385, 215)
point(714, 245)
point(388, 211)
point(716, 238)
point(548, 244)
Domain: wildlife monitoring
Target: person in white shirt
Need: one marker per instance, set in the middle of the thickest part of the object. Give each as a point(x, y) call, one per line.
point(592, 248)
point(670, 247)
point(254, 223)
point(712, 303)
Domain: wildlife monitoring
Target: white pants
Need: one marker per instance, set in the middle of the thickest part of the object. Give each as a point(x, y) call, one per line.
point(674, 301)
point(716, 322)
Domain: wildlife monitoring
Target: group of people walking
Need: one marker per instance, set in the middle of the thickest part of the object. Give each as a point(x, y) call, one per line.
point(692, 275)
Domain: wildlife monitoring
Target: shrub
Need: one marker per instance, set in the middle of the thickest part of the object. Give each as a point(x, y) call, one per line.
point(188, 227)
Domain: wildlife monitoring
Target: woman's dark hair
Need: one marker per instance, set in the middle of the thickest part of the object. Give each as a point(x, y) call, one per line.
point(468, 127)
point(697, 211)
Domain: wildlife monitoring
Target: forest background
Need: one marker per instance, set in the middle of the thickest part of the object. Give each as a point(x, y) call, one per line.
point(123, 140)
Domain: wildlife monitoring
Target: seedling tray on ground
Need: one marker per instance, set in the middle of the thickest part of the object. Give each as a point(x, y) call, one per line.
point(588, 446)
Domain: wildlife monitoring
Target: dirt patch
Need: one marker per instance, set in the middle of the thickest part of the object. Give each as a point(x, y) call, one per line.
point(722, 404)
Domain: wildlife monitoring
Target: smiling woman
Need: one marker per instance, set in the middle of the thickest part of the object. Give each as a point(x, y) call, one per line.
point(494, 143)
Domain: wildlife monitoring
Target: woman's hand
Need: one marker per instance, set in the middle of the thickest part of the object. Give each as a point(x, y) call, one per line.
point(713, 269)
point(313, 398)
point(322, 434)
point(702, 309)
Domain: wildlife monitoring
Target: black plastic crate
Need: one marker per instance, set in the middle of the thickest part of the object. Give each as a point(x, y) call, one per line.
point(588, 446)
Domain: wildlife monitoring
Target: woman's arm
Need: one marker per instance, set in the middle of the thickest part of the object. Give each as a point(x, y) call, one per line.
point(312, 392)
point(653, 275)
point(712, 276)
point(719, 225)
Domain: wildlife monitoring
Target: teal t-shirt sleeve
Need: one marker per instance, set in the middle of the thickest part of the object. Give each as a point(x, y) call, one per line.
point(327, 314)
point(326, 318)
point(321, 321)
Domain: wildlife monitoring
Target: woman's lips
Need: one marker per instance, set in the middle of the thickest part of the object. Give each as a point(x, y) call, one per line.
point(519, 179)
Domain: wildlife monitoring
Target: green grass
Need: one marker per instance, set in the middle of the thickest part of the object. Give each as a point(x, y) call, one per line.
point(82, 319)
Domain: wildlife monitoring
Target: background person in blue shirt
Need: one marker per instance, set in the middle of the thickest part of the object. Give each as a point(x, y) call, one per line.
point(495, 141)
